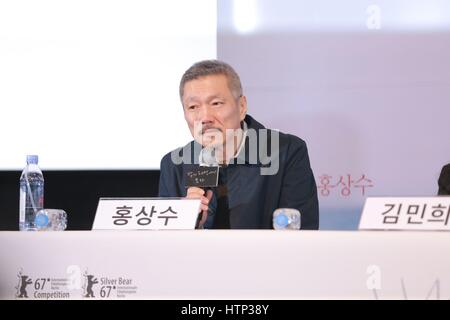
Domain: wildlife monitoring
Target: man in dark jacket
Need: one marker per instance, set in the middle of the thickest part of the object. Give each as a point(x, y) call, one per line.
point(444, 181)
point(260, 169)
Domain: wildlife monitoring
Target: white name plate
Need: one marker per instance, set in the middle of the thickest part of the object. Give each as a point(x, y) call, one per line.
point(146, 214)
point(408, 213)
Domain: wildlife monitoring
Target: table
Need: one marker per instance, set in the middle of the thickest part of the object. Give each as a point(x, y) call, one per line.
point(225, 264)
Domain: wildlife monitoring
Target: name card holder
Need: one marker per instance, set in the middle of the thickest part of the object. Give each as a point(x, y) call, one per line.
point(406, 213)
point(146, 214)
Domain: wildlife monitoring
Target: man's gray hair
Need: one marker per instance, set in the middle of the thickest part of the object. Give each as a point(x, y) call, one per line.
point(212, 67)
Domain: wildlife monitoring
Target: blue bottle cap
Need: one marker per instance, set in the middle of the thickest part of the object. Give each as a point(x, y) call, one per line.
point(281, 220)
point(41, 220)
point(32, 159)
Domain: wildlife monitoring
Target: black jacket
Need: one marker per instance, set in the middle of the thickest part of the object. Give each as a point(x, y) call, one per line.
point(444, 181)
point(252, 197)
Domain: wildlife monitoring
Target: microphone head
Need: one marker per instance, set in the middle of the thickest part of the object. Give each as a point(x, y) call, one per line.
point(208, 157)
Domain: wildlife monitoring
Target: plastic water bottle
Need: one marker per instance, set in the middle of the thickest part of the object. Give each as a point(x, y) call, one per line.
point(31, 194)
point(286, 219)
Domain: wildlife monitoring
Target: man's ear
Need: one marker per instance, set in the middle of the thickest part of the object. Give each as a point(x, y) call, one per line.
point(242, 107)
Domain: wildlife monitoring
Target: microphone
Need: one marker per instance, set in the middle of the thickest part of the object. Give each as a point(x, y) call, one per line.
point(205, 175)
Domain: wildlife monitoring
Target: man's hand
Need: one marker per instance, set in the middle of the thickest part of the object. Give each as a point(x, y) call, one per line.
point(198, 193)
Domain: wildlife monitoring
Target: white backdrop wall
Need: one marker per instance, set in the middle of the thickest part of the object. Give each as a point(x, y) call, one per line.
point(93, 84)
point(366, 85)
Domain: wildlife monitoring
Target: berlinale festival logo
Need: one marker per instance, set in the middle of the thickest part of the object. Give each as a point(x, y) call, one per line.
point(21, 288)
point(89, 282)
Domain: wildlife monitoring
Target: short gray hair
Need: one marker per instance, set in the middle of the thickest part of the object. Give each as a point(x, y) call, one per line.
point(212, 67)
